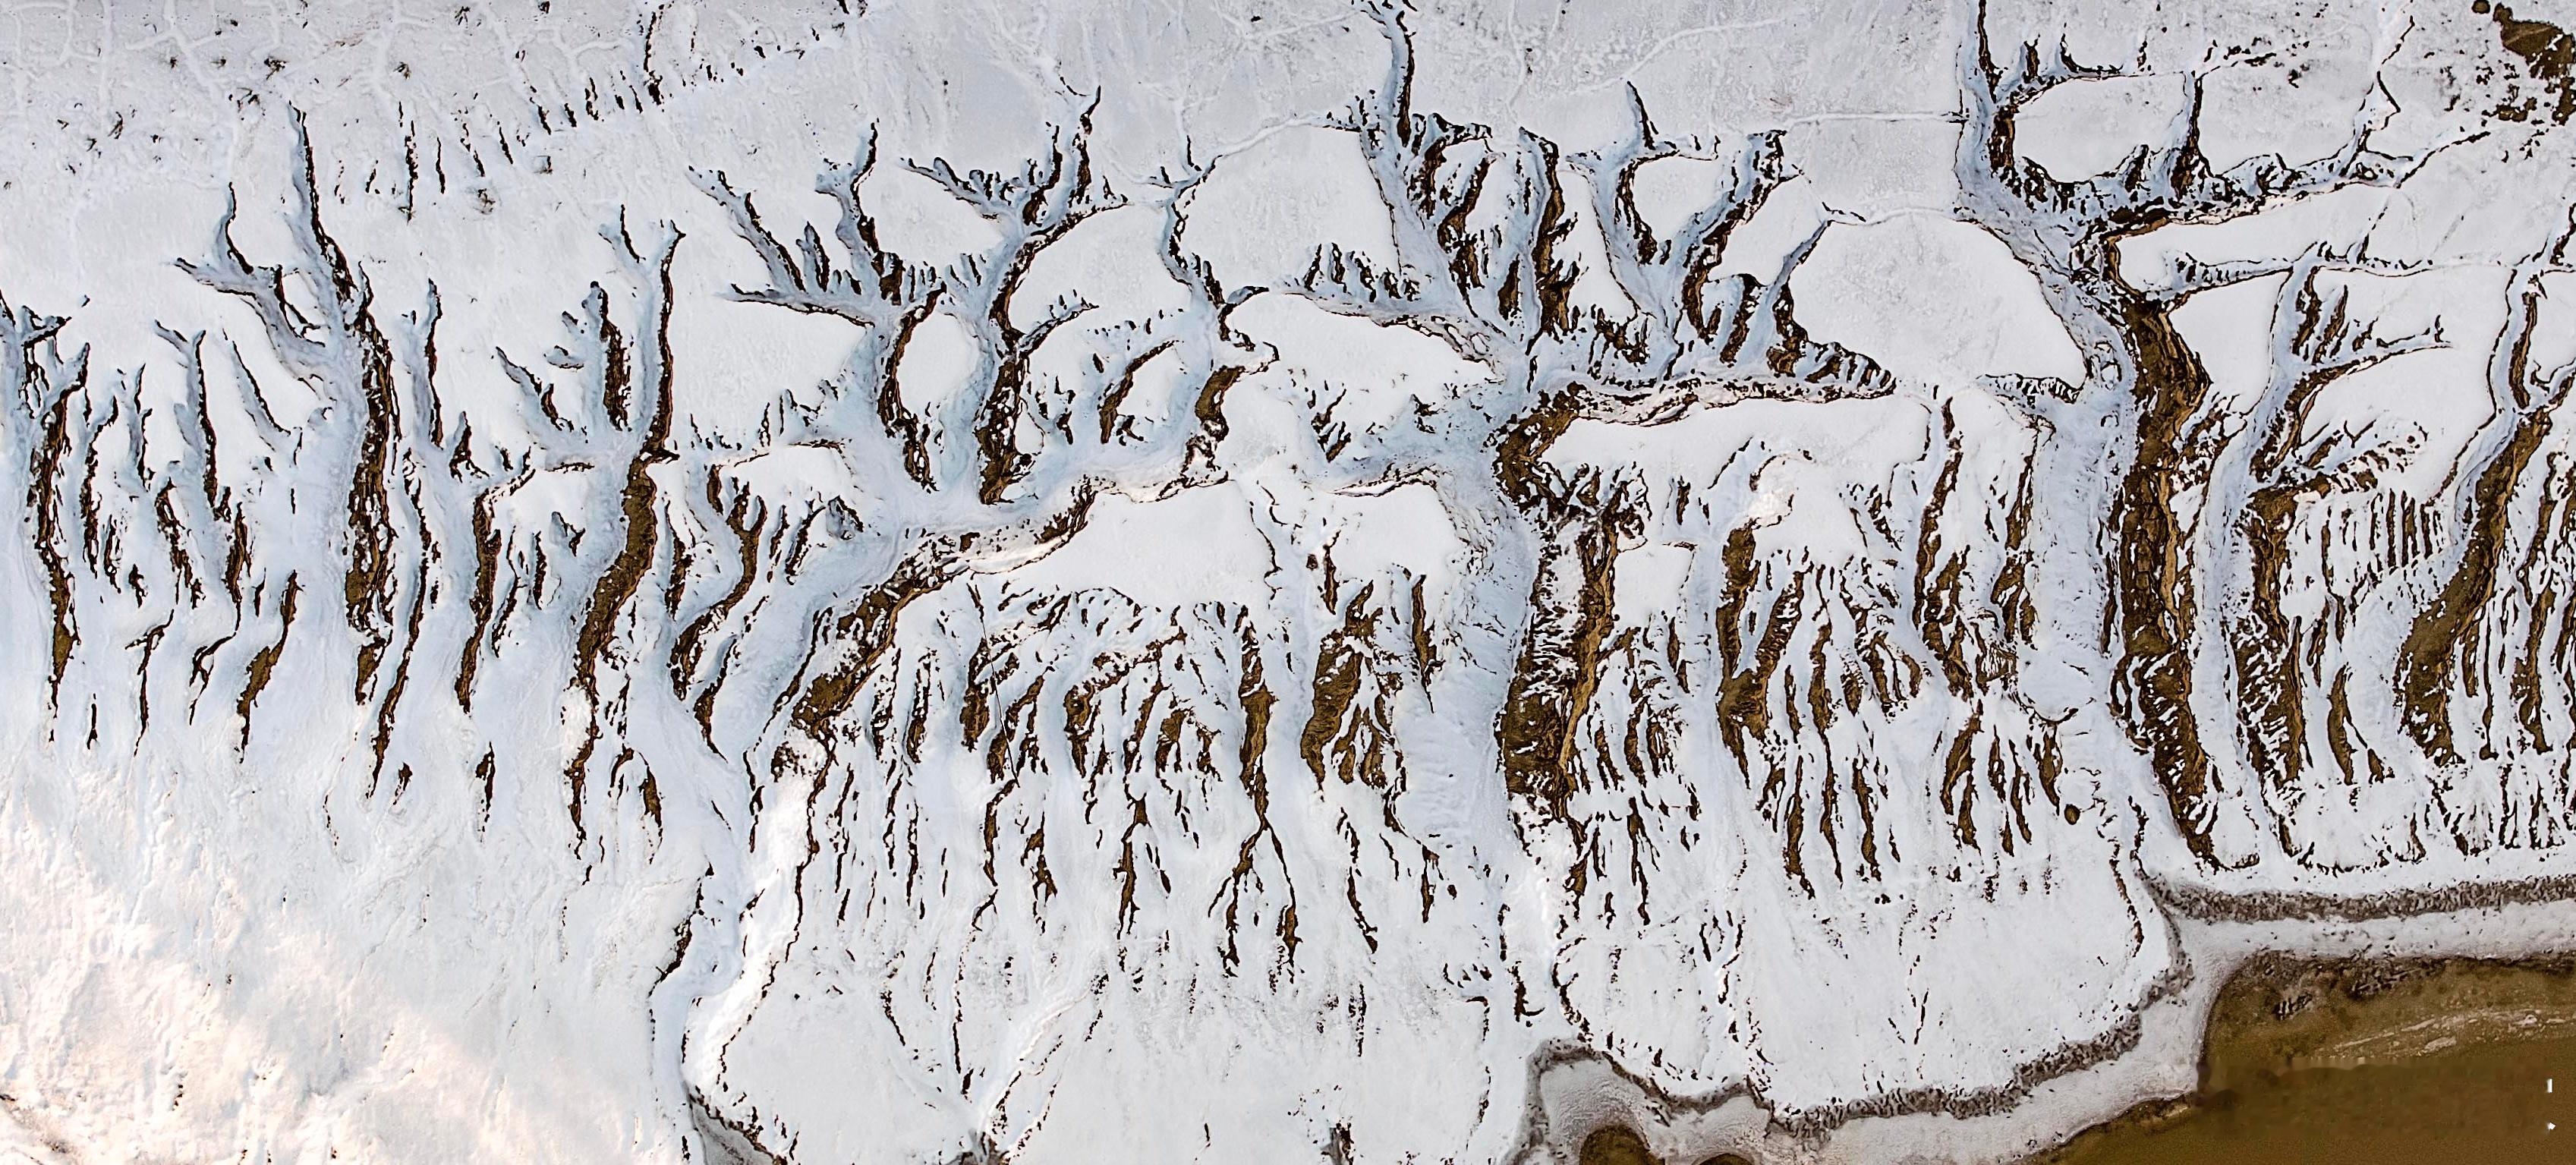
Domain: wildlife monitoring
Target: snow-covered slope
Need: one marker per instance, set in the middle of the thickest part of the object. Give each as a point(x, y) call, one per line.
point(666, 584)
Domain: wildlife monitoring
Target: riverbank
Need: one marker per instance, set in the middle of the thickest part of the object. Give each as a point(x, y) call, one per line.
point(2321, 1002)
point(2425, 1060)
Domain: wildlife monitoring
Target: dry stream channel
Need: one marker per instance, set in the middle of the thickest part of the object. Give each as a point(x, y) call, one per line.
point(2421, 1061)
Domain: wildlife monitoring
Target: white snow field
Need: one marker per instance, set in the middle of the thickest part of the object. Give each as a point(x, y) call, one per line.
point(1064, 581)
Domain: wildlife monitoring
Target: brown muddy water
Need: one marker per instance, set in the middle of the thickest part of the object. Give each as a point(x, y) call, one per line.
point(2421, 1062)
point(2427, 1062)
point(1621, 1146)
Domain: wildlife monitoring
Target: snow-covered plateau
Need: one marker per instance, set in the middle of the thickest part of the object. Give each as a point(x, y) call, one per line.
point(1034, 581)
